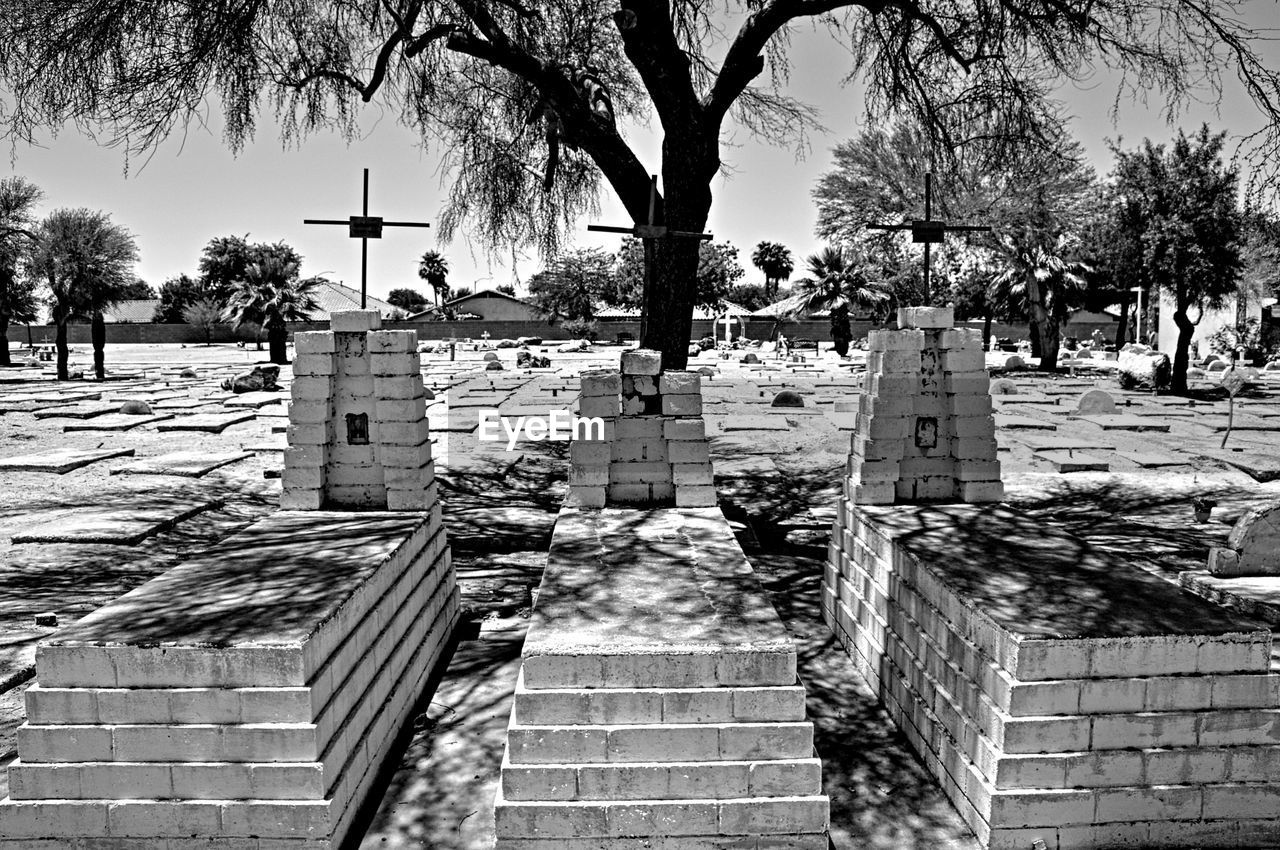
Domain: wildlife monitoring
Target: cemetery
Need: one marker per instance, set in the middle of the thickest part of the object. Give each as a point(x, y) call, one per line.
point(652, 637)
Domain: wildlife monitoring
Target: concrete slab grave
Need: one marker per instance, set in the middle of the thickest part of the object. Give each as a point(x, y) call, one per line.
point(186, 464)
point(116, 422)
point(60, 461)
point(249, 696)
point(210, 423)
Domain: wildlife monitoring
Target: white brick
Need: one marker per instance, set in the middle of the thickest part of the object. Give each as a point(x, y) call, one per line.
point(601, 382)
point(693, 496)
point(680, 383)
point(601, 406)
point(926, 318)
point(641, 361)
point(682, 405)
point(691, 474)
point(313, 364)
point(900, 340)
point(585, 497)
point(355, 321)
point(388, 342)
point(394, 364)
point(313, 342)
point(688, 451)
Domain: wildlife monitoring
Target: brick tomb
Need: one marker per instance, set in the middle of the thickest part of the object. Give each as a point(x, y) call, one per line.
point(1057, 696)
point(247, 698)
point(657, 704)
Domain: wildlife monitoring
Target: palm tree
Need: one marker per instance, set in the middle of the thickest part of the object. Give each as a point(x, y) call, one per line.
point(774, 259)
point(17, 292)
point(87, 263)
point(836, 283)
point(434, 269)
point(1042, 276)
point(270, 295)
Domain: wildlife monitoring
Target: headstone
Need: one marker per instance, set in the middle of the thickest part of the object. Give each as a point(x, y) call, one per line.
point(211, 423)
point(493, 366)
point(1217, 366)
point(1142, 368)
point(491, 356)
point(788, 398)
point(749, 357)
point(925, 429)
point(136, 408)
point(1096, 401)
point(358, 431)
point(1253, 547)
point(188, 373)
point(1014, 362)
point(1003, 386)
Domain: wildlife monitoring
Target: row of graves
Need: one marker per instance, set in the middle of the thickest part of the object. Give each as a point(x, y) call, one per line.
point(1060, 699)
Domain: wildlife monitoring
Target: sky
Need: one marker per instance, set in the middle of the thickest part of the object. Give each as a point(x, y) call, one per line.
point(192, 189)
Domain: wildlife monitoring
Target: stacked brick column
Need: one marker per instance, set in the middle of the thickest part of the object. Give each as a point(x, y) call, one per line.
point(357, 371)
point(925, 430)
point(655, 448)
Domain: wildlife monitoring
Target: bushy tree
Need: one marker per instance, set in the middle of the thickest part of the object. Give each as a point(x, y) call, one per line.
point(530, 99)
point(87, 264)
point(774, 260)
point(138, 290)
point(1185, 216)
point(717, 274)
point(574, 284)
point(18, 303)
point(408, 300)
point(458, 292)
point(205, 314)
point(176, 295)
point(506, 289)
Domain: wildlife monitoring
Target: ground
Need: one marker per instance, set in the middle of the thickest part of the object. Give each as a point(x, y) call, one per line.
point(99, 530)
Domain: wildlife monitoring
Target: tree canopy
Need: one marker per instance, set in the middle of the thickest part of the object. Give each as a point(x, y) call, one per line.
point(531, 100)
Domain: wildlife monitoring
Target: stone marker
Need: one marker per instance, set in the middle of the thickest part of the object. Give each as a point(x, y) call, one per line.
point(1096, 401)
point(187, 464)
point(60, 460)
point(211, 423)
point(115, 422)
point(136, 408)
point(1013, 363)
point(788, 398)
point(258, 379)
point(125, 525)
point(1253, 547)
point(749, 357)
point(490, 356)
point(925, 428)
point(493, 366)
point(1068, 460)
point(1003, 386)
point(1142, 368)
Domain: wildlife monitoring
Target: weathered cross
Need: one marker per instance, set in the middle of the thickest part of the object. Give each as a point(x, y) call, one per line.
point(647, 233)
point(928, 230)
point(365, 227)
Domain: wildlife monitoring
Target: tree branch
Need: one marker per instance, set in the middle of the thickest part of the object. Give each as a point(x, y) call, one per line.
point(650, 43)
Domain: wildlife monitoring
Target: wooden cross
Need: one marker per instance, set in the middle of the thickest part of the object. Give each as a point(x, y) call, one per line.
point(928, 230)
point(365, 227)
point(647, 233)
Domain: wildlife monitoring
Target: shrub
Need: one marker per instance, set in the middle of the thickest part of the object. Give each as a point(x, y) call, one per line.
point(581, 328)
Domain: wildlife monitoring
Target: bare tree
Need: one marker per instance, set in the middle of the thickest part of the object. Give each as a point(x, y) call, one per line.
point(530, 98)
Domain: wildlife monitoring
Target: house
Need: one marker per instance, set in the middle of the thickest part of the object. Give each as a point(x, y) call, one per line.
point(486, 305)
point(335, 297)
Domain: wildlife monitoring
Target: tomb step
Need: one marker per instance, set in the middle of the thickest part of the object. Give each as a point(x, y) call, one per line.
point(49, 706)
point(114, 780)
point(132, 820)
point(659, 742)
point(593, 706)
point(663, 668)
point(662, 780)
point(795, 841)
point(749, 816)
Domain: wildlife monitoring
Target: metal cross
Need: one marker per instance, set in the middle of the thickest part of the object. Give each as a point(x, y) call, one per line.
point(928, 230)
point(365, 227)
point(647, 233)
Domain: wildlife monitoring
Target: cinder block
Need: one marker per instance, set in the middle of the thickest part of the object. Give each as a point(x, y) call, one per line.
point(629, 494)
point(698, 474)
point(960, 338)
point(785, 778)
point(355, 321)
point(311, 388)
point(688, 451)
point(601, 382)
point(689, 404)
point(684, 429)
point(313, 342)
point(774, 815)
point(693, 496)
point(639, 472)
point(900, 340)
point(392, 342)
point(680, 383)
point(556, 744)
point(604, 406)
point(664, 742)
point(766, 741)
point(301, 500)
point(926, 318)
point(305, 365)
point(595, 475)
point(641, 361)
point(981, 491)
point(585, 497)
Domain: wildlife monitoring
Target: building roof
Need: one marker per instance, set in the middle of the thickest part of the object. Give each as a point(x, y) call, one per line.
point(699, 313)
point(461, 302)
point(786, 307)
point(334, 297)
point(134, 310)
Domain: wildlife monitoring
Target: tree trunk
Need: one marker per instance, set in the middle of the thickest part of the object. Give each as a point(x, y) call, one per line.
point(986, 332)
point(840, 334)
point(1123, 328)
point(98, 334)
point(277, 339)
point(60, 342)
point(1181, 356)
point(1044, 325)
point(4, 340)
point(1033, 331)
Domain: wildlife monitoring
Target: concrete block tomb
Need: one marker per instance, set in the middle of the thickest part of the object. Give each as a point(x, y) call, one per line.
point(657, 704)
point(1057, 696)
point(245, 699)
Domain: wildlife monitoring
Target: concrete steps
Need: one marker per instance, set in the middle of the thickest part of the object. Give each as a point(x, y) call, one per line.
point(1047, 721)
point(669, 726)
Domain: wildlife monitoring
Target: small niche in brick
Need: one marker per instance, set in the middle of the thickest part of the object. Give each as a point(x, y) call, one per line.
point(357, 429)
